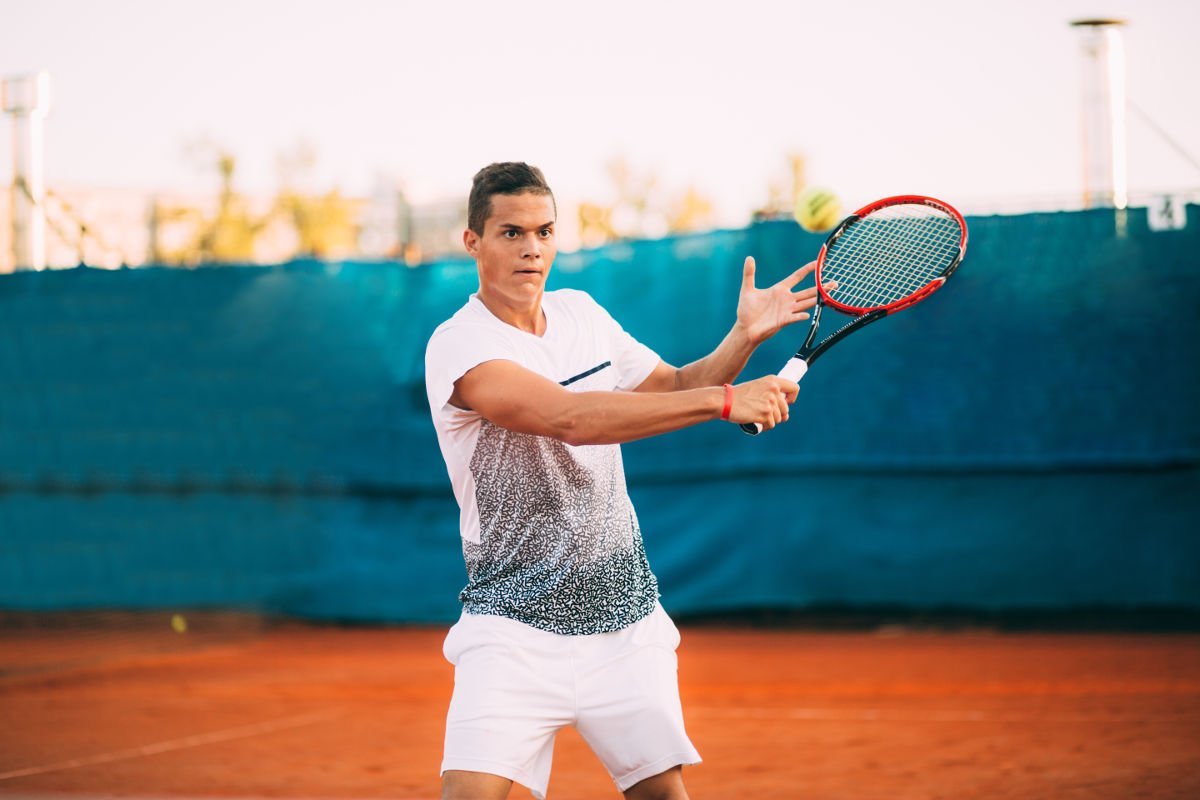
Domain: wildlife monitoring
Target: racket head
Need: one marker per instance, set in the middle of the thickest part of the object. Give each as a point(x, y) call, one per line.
point(891, 254)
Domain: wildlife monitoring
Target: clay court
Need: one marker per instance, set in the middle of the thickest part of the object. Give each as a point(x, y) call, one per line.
point(241, 707)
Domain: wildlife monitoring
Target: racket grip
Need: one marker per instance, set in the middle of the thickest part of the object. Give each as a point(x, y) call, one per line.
point(793, 370)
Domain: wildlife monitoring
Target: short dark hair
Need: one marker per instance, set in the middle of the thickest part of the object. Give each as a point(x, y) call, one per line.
point(505, 177)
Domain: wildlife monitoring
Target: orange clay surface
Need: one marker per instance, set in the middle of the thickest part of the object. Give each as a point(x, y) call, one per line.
point(236, 707)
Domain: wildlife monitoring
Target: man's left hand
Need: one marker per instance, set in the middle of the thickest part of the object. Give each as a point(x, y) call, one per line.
point(762, 312)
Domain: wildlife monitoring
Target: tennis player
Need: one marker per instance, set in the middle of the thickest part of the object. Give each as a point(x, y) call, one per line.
point(532, 393)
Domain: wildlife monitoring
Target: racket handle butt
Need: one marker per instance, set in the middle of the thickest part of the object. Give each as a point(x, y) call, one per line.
point(751, 428)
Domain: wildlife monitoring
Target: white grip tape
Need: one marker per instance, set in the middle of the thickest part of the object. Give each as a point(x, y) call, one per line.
point(793, 370)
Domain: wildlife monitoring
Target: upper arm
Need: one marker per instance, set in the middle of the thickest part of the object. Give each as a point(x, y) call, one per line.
point(663, 378)
point(511, 396)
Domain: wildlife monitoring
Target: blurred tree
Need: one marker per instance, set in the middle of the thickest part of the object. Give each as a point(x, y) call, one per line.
point(228, 236)
point(640, 208)
point(782, 192)
point(325, 224)
point(690, 212)
point(634, 196)
point(595, 225)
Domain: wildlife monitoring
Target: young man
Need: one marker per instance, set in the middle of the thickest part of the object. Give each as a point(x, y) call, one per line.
point(531, 393)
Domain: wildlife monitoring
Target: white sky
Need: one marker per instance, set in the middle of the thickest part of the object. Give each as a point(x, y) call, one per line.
point(966, 100)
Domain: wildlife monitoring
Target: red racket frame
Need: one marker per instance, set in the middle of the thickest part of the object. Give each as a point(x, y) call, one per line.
point(911, 299)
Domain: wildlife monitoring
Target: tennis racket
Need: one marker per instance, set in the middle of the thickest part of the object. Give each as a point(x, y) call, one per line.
point(886, 257)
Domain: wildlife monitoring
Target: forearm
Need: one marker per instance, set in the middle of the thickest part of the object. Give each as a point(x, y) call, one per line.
point(722, 365)
point(617, 417)
point(508, 395)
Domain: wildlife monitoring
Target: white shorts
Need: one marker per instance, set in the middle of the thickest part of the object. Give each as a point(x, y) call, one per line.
point(515, 686)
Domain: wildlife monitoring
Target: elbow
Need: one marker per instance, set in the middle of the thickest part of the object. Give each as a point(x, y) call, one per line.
point(582, 419)
point(573, 431)
point(574, 428)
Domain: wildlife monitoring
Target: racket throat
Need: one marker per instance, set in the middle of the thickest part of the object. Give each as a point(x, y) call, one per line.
point(854, 324)
point(812, 330)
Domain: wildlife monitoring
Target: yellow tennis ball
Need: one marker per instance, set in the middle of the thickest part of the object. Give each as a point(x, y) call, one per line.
point(818, 209)
point(179, 623)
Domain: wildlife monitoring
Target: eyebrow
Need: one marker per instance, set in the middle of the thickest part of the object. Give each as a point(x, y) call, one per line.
point(511, 226)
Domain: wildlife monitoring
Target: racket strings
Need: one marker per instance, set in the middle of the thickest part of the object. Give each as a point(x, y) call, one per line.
point(891, 254)
point(888, 259)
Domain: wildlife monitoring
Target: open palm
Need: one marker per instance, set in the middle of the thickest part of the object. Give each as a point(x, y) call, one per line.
point(762, 312)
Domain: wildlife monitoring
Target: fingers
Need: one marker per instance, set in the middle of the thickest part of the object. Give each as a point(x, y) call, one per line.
point(790, 280)
point(776, 412)
point(780, 395)
point(811, 292)
point(748, 274)
point(764, 401)
point(807, 298)
point(799, 275)
point(785, 394)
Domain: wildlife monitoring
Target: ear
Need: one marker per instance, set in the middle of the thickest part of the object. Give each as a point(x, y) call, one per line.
point(471, 242)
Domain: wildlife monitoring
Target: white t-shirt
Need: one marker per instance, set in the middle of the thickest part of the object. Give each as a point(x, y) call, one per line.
point(549, 534)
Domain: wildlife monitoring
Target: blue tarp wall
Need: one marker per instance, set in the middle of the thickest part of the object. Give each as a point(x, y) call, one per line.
point(258, 437)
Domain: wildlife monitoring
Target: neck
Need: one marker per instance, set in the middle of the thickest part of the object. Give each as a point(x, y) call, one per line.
point(524, 316)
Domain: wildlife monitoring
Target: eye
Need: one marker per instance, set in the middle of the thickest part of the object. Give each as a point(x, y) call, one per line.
point(510, 234)
point(545, 233)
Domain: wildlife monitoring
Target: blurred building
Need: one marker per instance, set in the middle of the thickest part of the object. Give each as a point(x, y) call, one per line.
point(100, 227)
point(112, 228)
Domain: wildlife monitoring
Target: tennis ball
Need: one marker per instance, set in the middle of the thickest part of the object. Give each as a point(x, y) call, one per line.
point(179, 623)
point(818, 209)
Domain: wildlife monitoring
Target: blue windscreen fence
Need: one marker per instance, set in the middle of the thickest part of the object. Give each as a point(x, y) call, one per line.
point(258, 437)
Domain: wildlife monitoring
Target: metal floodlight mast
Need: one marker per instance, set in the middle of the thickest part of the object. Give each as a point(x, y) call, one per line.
point(1105, 146)
point(27, 99)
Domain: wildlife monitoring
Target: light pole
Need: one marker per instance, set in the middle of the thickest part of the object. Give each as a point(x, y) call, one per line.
point(27, 99)
point(1105, 148)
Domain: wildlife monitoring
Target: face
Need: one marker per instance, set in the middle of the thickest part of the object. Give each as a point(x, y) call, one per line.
point(516, 249)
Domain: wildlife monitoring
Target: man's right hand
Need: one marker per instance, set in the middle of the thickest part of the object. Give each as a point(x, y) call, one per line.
point(764, 401)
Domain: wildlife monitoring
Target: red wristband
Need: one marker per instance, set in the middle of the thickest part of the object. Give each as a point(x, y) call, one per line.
point(728, 402)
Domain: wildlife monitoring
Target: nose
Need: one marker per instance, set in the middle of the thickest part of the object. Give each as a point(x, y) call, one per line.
point(531, 246)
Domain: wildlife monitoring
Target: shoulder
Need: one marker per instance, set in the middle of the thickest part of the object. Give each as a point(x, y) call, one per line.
point(466, 324)
point(575, 300)
point(472, 314)
point(569, 296)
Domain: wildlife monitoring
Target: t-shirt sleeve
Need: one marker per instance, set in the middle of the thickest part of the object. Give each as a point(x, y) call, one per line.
point(453, 351)
point(633, 360)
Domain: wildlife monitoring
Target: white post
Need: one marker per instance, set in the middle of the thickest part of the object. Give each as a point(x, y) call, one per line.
point(1105, 149)
point(27, 99)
